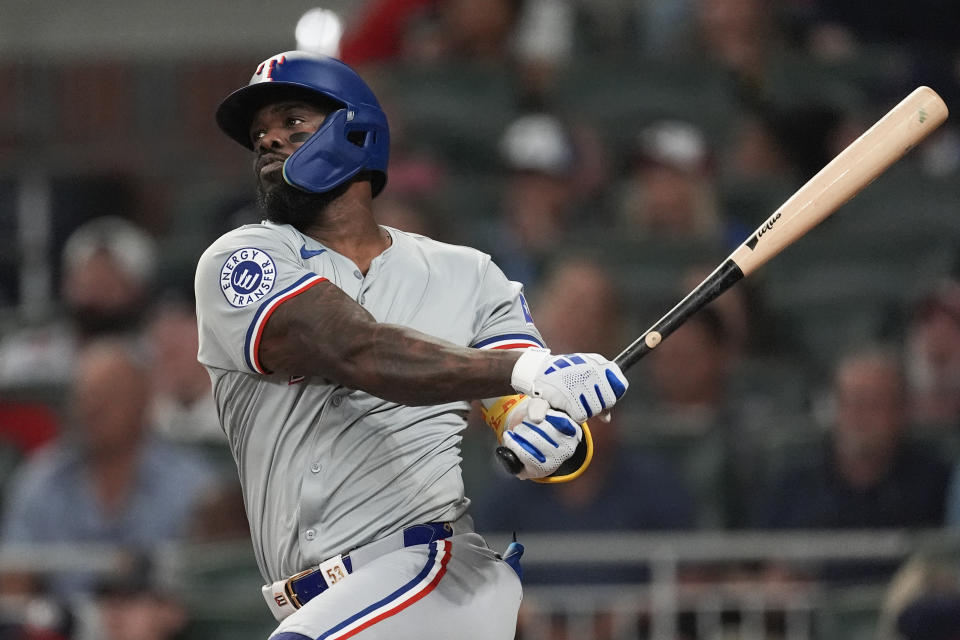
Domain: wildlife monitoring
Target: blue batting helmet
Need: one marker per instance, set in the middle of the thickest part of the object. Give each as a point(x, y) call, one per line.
point(352, 139)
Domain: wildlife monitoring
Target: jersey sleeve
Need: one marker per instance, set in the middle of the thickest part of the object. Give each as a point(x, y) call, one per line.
point(241, 280)
point(504, 320)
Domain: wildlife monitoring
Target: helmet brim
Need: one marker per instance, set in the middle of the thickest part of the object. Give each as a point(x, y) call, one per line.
point(235, 114)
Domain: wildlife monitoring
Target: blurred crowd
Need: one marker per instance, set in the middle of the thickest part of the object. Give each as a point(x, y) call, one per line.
point(608, 155)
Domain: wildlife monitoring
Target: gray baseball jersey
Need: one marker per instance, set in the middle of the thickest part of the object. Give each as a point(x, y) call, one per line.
point(325, 468)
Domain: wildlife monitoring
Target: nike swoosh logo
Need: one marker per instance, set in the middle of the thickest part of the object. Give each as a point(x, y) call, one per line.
point(306, 254)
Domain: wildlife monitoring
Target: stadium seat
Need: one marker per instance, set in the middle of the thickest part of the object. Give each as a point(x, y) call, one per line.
point(619, 98)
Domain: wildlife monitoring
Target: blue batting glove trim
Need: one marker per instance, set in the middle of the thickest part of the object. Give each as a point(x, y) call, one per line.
point(550, 370)
point(542, 434)
point(532, 450)
point(560, 363)
point(563, 425)
point(586, 406)
point(575, 359)
point(616, 384)
point(596, 389)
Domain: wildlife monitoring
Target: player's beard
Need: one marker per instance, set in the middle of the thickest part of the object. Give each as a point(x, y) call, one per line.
point(285, 204)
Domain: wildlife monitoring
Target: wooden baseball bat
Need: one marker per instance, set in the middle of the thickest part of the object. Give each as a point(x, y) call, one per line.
point(912, 120)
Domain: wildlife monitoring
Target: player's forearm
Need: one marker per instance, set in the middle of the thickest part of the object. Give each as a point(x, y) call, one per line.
point(323, 334)
point(403, 365)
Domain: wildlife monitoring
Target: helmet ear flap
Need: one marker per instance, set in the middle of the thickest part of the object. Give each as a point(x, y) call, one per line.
point(327, 159)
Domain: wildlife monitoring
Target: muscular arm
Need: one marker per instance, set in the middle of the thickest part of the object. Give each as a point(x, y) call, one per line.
point(324, 332)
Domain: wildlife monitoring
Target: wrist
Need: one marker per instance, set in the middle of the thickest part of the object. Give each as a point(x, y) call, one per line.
point(497, 412)
point(525, 370)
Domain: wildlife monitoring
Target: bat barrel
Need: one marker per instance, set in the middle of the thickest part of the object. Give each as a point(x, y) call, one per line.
point(906, 124)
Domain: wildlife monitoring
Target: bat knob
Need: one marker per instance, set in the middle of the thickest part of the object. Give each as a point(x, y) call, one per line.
point(509, 460)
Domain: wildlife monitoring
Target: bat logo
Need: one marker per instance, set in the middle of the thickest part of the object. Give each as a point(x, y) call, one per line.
point(752, 242)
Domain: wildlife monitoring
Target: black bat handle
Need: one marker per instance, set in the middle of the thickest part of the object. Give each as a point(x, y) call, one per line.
point(722, 278)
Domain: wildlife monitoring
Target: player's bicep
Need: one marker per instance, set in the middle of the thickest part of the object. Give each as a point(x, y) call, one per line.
point(313, 333)
point(241, 280)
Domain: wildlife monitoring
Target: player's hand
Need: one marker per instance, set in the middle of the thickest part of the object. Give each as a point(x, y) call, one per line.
point(503, 414)
point(581, 385)
point(542, 447)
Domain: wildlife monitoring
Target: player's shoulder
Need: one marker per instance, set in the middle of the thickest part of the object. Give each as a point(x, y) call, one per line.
point(264, 234)
point(250, 242)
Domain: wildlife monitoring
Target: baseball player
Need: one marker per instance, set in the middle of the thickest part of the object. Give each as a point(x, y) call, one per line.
point(343, 355)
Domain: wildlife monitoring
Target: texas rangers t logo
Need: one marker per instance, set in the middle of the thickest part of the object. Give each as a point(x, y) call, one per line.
point(247, 276)
point(273, 62)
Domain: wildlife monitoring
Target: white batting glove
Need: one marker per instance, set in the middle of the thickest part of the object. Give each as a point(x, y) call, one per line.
point(543, 447)
point(581, 385)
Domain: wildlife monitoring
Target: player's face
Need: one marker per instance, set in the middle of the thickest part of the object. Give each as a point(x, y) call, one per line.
point(277, 131)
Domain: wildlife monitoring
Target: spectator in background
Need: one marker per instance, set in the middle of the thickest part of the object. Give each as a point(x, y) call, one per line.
point(671, 191)
point(933, 359)
point(691, 416)
point(755, 153)
point(800, 139)
point(379, 32)
point(867, 474)
point(538, 204)
point(479, 31)
point(585, 281)
point(688, 370)
point(106, 481)
point(108, 269)
point(743, 36)
point(751, 325)
point(182, 407)
point(839, 29)
point(544, 42)
point(425, 31)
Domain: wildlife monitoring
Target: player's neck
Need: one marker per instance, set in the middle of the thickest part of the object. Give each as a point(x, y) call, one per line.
point(347, 226)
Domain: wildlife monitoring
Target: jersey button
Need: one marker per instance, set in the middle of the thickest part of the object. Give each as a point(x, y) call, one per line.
point(336, 401)
point(315, 467)
point(358, 275)
point(309, 534)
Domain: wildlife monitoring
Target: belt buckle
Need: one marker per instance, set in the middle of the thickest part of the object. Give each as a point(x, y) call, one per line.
point(289, 583)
